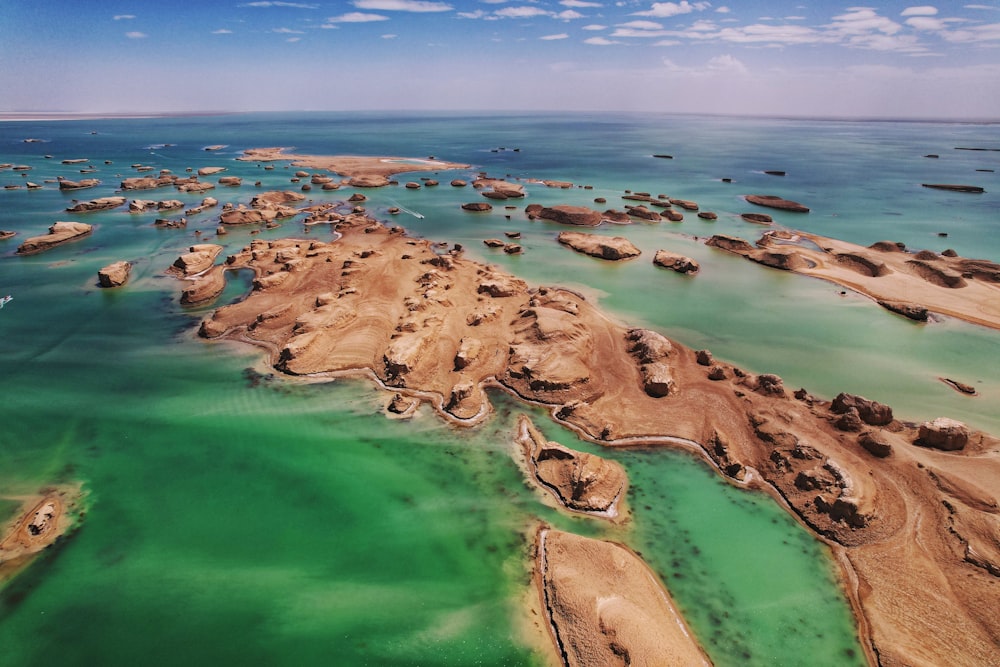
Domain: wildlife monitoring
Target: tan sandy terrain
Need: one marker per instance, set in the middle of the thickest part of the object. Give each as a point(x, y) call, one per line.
point(917, 530)
point(905, 282)
point(43, 518)
point(607, 608)
point(365, 169)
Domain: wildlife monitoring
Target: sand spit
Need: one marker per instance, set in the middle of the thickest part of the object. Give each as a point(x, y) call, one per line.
point(605, 607)
point(375, 169)
point(908, 283)
point(44, 518)
point(915, 528)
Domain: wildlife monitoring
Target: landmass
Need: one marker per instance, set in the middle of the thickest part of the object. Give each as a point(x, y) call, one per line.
point(914, 526)
point(905, 282)
point(363, 171)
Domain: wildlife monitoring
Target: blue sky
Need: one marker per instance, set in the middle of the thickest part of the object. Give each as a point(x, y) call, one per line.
point(889, 59)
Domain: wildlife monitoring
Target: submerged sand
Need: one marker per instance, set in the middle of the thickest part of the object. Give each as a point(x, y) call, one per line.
point(916, 530)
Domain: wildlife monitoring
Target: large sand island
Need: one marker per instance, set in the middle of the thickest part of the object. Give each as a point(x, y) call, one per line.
point(910, 510)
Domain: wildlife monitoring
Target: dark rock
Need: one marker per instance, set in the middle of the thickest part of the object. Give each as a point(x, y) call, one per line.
point(874, 444)
point(871, 412)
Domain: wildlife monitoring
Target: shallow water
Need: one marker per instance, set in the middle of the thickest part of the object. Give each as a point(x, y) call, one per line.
point(238, 517)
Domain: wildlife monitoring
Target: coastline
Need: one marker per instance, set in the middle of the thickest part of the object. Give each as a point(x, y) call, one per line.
point(448, 404)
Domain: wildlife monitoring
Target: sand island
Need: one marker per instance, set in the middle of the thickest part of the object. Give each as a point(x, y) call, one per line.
point(910, 510)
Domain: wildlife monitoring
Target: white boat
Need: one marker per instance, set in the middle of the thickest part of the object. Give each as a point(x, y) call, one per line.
point(5, 300)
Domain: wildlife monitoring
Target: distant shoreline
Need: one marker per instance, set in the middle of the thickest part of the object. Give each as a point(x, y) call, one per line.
point(24, 116)
point(34, 116)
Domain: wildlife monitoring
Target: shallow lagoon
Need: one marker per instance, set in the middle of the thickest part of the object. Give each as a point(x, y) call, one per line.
point(234, 516)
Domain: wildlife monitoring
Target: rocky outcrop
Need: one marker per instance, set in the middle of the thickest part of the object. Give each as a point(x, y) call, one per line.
point(730, 244)
point(910, 310)
point(870, 412)
point(276, 198)
point(757, 218)
point(954, 188)
point(369, 181)
point(59, 233)
point(206, 288)
point(209, 171)
point(651, 350)
point(772, 201)
point(66, 184)
point(603, 247)
point(114, 275)
point(102, 204)
point(675, 262)
point(477, 206)
point(198, 258)
point(571, 215)
point(943, 433)
point(579, 481)
point(195, 187)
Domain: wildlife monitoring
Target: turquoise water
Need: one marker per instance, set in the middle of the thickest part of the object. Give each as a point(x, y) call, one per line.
point(237, 517)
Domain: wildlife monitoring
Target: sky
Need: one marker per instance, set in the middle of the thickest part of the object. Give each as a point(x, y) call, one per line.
point(788, 58)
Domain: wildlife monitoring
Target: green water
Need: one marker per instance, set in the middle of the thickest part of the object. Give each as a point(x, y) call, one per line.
point(233, 517)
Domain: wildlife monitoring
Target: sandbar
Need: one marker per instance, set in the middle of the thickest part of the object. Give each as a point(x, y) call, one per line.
point(351, 165)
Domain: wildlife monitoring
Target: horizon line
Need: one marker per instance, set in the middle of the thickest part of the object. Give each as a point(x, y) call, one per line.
point(38, 115)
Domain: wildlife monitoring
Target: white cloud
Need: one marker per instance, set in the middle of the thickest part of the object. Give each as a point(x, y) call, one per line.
point(222, 31)
point(287, 31)
point(924, 10)
point(989, 32)
point(640, 25)
point(925, 23)
point(668, 9)
point(862, 20)
point(594, 26)
point(521, 12)
point(124, 17)
point(569, 15)
point(136, 35)
point(357, 17)
point(579, 4)
point(418, 6)
point(632, 32)
point(726, 63)
point(723, 10)
point(600, 41)
point(561, 35)
point(666, 42)
point(292, 40)
point(389, 36)
point(262, 3)
point(478, 14)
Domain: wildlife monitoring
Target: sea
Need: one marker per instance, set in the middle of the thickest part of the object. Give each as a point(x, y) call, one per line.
point(236, 516)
